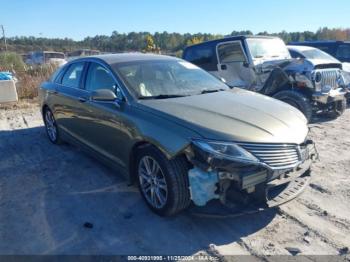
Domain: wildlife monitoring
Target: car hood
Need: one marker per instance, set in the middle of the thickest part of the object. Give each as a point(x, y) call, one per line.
point(346, 67)
point(316, 62)
point(234, 115)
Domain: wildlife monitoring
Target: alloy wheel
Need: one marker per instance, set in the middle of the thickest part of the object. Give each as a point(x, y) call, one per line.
point(50, 125)
point(152, 182)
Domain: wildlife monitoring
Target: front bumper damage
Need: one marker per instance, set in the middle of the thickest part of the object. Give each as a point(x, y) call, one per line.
point(332, 96)
point(222, 187)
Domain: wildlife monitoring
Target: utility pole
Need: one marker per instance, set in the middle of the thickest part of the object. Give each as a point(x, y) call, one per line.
point(3, 34)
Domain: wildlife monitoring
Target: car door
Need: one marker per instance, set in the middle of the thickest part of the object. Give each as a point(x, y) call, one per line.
point(103, 123)
point(69, 97)
point(233, 64)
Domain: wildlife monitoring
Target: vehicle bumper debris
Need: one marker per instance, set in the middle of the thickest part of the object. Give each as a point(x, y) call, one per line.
point(227, 188)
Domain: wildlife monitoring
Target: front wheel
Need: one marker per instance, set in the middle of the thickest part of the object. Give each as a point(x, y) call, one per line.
point(296, 99)
point(338, 108)
point(163, 183)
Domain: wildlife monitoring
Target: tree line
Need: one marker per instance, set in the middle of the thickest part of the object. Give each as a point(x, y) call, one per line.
point(164, 42)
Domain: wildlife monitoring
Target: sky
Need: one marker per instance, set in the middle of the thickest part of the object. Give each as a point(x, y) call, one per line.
point(77, 19)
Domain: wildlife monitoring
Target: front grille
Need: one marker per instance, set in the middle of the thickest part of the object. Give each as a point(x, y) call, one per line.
point(329, 77)
point(277, 156)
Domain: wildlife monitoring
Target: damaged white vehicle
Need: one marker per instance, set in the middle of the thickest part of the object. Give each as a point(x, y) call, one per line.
point(263, 64)
point(319, 61)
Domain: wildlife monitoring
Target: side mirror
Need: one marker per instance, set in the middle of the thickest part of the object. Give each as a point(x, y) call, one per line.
point(103, 95)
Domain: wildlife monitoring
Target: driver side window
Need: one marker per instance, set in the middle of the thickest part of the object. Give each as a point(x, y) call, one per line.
point(231, 52)
point(99, 77)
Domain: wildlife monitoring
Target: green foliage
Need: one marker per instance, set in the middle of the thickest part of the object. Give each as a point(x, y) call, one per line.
point(169, 43)
point(150, 46)
point(11, 61)
point(194, 40)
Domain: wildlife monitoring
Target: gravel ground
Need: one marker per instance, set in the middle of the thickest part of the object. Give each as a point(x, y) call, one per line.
point(48, 193)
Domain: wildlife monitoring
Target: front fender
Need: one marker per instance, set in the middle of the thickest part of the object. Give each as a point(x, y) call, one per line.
point(169, 137)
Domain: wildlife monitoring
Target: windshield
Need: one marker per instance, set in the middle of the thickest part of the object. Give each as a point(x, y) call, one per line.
point(268, 48)
point(318, 54)
point(54, 55)
point(161, 78)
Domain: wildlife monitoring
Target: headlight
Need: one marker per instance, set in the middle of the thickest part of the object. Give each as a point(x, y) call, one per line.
point(318, 77)
point(225, 150)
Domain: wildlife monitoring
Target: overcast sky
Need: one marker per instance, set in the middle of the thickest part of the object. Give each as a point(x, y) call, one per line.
point(77, 18)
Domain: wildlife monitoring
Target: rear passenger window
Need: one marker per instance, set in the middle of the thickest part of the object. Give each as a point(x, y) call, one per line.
point(231, 52)
point(72, 76)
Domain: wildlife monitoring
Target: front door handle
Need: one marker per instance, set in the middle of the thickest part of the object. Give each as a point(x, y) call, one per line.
point(82, 99)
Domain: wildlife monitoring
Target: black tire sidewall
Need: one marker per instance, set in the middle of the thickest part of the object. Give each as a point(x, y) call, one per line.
point(340, 107)
point(297, 100)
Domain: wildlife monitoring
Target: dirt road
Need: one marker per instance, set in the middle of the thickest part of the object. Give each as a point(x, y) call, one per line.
point(48, 192)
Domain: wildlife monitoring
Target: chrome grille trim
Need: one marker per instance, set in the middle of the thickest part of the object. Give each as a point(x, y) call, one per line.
point(329, 77)
point(276, 156)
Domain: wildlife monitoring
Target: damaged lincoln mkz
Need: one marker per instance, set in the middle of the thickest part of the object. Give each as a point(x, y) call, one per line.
point(178, 132)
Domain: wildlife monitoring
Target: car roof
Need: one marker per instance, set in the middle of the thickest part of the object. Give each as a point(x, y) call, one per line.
point(321, 42)
point(231, 38)
point(300, 48)
point(127, 57)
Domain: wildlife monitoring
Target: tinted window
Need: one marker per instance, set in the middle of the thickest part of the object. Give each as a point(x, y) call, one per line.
point(72, 76)
point(99, 78)
point(202, 56)
point(55, 77)
point(343, 52)
point(329, 48)
point(295, 54)
point(231, 52)
point(54, 55)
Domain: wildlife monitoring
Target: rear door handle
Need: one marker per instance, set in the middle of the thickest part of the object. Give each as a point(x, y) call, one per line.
point(82, 99)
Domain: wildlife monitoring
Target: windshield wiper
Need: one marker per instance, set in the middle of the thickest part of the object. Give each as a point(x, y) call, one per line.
point(161, 96)
point(206, 91)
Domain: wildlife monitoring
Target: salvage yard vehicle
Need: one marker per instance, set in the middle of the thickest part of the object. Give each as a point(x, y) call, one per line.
point(46, 57)
point(177, 131)
point(263, 64)
point(322, 63)
point(338, 49)
point(82, 52)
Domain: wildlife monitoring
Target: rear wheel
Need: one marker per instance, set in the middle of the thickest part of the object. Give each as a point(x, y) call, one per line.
point(51, 127)
point(163, 183)
point(297, 100)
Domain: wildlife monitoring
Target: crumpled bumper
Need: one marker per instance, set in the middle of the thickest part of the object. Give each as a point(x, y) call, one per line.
point(271, 189)
point(333, 95)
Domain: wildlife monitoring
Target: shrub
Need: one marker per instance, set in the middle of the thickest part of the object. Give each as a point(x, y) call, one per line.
point(29, 78)
point(11, 61)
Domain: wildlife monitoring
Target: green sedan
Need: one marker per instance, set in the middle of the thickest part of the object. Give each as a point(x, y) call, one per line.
point(179, 133)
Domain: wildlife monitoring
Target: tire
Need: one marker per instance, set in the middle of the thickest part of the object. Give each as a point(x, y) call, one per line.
point(51, 127)
point(171, 175)
point(339, 108)
point(296, 99)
